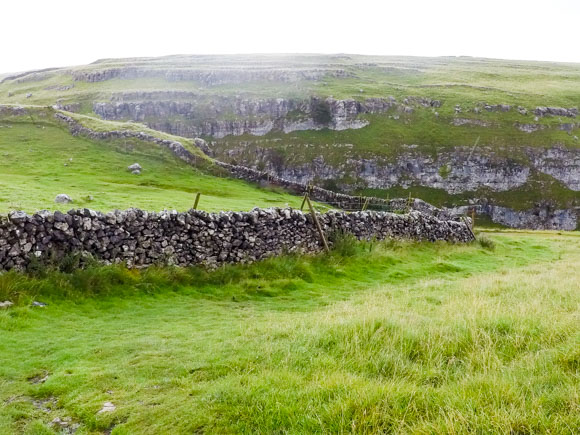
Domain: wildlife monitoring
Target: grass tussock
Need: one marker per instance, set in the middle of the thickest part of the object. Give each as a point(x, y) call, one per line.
point(485, 242)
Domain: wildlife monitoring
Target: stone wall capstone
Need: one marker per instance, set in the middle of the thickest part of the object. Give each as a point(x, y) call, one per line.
point(141, 238)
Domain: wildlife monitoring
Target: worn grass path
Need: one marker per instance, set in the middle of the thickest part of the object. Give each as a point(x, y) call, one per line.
point(395, 337)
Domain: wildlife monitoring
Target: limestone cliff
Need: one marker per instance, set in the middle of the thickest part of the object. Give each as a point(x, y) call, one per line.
point(219, 117)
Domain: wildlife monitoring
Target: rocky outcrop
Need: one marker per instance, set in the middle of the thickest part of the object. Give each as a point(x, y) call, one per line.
point(422, 101)
point(222, 117)
point(556, 111)
point(470, 121)
point(8, 111)
point(139, 238)
point(455, 170)
point(209, 77)
point(459, 170)
point(529, 128)
point(540, 217)
point(561, 163)
point(497, 107)
point(339, 200)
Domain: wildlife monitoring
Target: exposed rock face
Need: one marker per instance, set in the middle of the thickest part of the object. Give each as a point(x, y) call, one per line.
point(467, 121)
point(556, 111)
point(423, 101)
point(199, 117)
point(8, 111)
point(561, 163)
point(141, 238)
point(211, 77)
point(459, 170)
point(497, 107)
point(71, 107)
point(569, 126)
point(541, 217)
point(529, 128)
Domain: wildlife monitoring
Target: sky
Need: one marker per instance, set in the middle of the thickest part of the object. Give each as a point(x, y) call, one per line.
point(40, 34)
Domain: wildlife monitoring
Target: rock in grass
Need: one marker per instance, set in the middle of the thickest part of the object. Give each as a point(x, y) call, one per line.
point(107, 407)
point(135, 167)
point(63, 198)
point(39, 304)
point(6, 304)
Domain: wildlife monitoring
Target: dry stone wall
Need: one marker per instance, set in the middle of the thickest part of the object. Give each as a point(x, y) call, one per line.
point(140, 238)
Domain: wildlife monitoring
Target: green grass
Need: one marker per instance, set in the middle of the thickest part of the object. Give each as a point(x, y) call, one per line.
point(389, 337)
point(40, 159)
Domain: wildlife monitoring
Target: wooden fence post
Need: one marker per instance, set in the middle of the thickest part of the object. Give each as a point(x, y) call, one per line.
point(366, 204)
point(317, 224)
point(303, 201)
point(196, 201)
point(468, 227)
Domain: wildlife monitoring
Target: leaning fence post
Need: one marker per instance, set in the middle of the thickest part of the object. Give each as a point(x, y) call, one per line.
point(303, 201)
point(196, 201)
point(468, 227)
point(366, 204)
point(317, 224)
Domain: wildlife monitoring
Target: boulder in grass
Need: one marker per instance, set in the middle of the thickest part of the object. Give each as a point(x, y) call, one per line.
point(107, 407)
point(135, 167)
point(63, 198)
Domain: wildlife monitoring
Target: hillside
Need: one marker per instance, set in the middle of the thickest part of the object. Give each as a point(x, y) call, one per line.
point(453, 131)
point(41, 159)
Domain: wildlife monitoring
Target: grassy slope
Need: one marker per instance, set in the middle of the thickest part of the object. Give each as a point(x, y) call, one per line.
point(35, 151)
point(396, 337)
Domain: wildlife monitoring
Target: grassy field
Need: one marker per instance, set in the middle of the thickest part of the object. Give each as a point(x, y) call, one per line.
point(41, 159)
point(374, 338)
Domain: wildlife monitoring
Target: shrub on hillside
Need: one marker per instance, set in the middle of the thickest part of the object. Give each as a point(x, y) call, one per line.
point(321, 112)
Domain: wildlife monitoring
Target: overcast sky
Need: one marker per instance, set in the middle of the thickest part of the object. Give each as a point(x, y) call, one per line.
point(40, 34)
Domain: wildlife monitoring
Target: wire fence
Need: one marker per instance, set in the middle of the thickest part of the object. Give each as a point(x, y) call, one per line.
point(364, 205)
